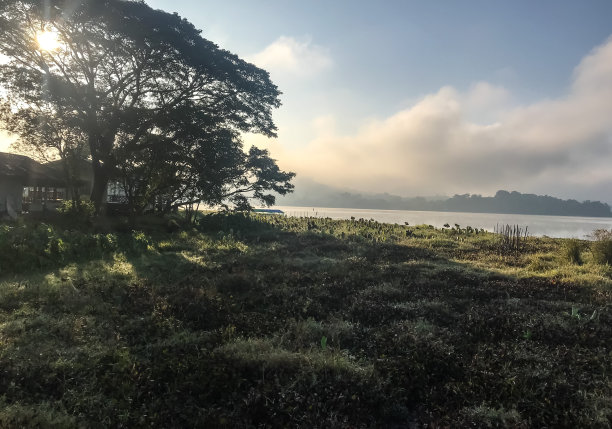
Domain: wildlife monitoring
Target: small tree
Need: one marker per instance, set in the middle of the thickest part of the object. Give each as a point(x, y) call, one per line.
point(46, 134)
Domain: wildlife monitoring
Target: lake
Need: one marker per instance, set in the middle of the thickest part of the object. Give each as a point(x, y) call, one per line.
point(552, 226)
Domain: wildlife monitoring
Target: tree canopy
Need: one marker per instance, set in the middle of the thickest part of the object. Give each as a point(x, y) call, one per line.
point(152, 102)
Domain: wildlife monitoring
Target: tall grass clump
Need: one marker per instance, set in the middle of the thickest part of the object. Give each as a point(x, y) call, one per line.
point(602, 246)
point(512, 238)
point(572, 251)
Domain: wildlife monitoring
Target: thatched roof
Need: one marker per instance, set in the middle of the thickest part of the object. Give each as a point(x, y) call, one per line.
point(30, 172)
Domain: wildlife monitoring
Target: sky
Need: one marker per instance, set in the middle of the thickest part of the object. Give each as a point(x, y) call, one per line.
point(431, 98)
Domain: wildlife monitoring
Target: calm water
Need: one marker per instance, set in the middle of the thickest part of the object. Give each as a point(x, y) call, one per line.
point(552, 226)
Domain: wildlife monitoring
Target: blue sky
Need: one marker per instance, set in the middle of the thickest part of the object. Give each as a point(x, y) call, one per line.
point(431, 97)
point(393, 51)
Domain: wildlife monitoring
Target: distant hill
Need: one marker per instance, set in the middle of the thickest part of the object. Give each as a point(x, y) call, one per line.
point(312, 194)
point(517, 203)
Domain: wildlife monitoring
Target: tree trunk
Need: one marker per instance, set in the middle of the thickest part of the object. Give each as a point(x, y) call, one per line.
point(100, 147)
point(98, 189)
point(70, 175)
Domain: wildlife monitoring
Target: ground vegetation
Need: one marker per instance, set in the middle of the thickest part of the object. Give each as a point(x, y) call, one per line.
point(267, 321)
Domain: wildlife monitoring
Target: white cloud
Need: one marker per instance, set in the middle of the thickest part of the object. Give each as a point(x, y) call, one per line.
point(485, 103)
point(556, 146)
point(324, 126)
point(287, 55)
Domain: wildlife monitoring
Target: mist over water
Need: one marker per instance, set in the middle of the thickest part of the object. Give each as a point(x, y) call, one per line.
point(551, 226)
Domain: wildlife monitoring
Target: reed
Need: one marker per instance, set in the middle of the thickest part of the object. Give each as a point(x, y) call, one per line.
point(513, 238)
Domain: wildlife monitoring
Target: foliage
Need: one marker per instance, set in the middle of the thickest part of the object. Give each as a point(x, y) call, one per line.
point(571, 251)
point(26, 248)
point(602, 251)
point(208, 168)
point(255, 320)
point(140, 92)
point(79, 210)
point(46, 133)
point(601, 247)
point(601, 234)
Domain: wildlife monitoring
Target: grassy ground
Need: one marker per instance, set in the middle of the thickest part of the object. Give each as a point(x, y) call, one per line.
point(282, 322)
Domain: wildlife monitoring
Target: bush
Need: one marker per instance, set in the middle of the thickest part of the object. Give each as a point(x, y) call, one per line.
point(84, 210)
point(602, 246)
point(601, 234)
point(602, 251)
point(24, 248)
point(252, 223)
point(137, 242)
point(571, 251)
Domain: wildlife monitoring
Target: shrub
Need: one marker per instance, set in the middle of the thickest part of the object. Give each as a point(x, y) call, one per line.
point(84, 210)
point(24, 248)
point(601, 234)
point(602, 251)
point(571, 251)
point(602, 246)
point(139, 242)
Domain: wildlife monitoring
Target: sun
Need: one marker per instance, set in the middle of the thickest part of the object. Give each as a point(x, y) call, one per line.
point(47, 40)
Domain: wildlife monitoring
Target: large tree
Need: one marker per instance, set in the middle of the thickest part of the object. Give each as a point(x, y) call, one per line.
point(123, 80)
point(183, 169)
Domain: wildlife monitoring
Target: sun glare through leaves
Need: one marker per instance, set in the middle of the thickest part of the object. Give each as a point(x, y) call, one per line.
point(47, 40)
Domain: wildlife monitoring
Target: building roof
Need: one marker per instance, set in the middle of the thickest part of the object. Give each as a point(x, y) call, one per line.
point(84, 173)
point(30, 172)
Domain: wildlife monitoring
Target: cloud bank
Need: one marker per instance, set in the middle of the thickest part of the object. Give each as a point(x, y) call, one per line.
point(478, 141)
point(290, 56)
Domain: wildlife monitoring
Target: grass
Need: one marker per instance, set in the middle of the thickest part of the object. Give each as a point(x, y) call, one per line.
point(572, 251)
point(267, 321)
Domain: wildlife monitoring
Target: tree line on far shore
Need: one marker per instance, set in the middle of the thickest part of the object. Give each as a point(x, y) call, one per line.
point(515, 202)
point(503, 202)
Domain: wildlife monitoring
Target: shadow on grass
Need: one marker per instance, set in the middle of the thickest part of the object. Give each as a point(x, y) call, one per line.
point(225, 328)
